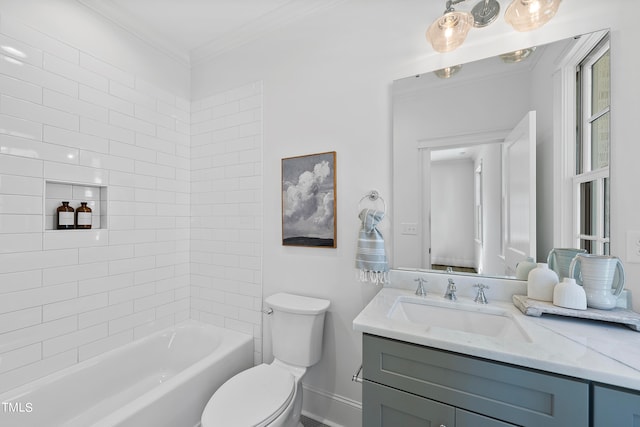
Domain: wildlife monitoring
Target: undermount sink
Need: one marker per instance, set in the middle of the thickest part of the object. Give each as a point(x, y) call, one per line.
point(453, 316)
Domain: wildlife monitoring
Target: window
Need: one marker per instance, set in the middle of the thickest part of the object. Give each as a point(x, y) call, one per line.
point(593, 139)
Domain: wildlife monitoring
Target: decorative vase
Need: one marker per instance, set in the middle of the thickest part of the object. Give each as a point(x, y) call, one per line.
point(569, 294)
point(602, 277)
point(540, 283)
point(524, 267)
point(559, 260)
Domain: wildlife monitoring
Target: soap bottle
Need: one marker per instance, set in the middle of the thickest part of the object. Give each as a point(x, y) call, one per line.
point(83, 216)
point(65, 217)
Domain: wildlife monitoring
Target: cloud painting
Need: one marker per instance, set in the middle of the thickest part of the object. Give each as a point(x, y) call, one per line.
point(308, 200)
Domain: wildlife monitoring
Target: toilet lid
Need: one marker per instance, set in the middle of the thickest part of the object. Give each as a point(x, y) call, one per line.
point(254, 397)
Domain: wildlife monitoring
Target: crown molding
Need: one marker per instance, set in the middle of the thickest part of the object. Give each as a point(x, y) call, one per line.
point(129, 24)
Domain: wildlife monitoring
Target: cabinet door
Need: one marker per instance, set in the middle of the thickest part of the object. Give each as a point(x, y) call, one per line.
point(469, 419)
point(615, 407)
point(387, 407)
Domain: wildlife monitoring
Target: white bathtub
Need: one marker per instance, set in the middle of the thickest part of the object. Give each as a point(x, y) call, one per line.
point(161, 380)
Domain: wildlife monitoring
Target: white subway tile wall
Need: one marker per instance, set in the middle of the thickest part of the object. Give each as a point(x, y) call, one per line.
point(66, 116)
point(226, 211)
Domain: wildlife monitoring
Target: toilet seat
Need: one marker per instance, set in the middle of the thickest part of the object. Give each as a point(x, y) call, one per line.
point(254, 397)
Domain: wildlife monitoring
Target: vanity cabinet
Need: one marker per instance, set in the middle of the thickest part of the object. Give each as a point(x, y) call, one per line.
point(615, 407)
point(407, 384)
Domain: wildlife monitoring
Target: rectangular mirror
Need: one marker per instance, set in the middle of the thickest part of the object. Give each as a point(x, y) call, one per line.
point(473, 168)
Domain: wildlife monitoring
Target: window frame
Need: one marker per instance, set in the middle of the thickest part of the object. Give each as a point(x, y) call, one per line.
point(565, 194)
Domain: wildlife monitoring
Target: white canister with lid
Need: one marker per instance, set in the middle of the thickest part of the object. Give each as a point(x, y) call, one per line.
point(541, 282)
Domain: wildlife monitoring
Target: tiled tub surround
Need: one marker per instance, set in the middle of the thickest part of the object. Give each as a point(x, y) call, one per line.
point(226, 211)
point(68, 295)
point(602, 352)
point(165, 379)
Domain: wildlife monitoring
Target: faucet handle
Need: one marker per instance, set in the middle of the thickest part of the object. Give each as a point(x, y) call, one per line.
point(481, 298)
point(420, 290)
point(451, 291)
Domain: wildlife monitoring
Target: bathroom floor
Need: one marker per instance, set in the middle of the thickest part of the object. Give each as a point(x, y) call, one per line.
point(308, 422)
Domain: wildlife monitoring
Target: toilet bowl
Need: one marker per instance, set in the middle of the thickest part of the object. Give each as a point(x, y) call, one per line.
point(271, 394)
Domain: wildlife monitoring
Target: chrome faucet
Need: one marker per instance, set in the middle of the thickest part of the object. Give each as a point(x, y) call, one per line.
point(451, 291)
point(420, 290)
point(481, 298)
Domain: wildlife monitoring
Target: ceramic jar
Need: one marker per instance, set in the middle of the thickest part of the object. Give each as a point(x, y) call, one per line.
point(569, 294)
point(524, 267)
point(559, 260)
point(540, 283)
point(602, 277)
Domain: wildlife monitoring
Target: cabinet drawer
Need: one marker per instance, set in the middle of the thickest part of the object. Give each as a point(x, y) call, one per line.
point(388, 407)
point(469, 419)
point(515, 395)
point(615, 407)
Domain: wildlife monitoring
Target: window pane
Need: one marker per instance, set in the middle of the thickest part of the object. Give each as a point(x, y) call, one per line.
point(600, 92)
point(600, 142)
point(587, 244)
point(607, 250)
point(588, 212)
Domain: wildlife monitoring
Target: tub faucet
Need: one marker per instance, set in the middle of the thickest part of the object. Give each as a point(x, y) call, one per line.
point(481, 298)
point(420, 290)
point(451, 291)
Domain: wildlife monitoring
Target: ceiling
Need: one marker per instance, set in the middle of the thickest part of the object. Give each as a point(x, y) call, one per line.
point(195, 30)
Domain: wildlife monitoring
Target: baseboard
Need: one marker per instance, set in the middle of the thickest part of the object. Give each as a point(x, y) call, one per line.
point(331, 409)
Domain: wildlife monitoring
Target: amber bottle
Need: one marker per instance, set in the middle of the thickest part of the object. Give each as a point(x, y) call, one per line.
point(65, 220)
point(83, 216)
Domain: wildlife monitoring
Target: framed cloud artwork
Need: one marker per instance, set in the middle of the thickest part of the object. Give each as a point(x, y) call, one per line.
point(309, 200)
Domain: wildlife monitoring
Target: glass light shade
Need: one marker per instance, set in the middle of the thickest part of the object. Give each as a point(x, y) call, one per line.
point(449, 31)
point(527, 15)
point(445, 73)
point(517, 55)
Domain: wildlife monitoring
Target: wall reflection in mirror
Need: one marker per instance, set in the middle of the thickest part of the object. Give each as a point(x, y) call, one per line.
point(473, 157)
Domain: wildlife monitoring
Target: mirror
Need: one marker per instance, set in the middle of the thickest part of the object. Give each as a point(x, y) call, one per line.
point(448, 204)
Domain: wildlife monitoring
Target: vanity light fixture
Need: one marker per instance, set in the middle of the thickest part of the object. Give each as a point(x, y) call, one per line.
point(517, 55)
point(527, 15)
point(449, 31)
point(445, 73)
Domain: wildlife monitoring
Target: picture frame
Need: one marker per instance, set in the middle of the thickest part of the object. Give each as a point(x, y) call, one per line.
point(309, 200)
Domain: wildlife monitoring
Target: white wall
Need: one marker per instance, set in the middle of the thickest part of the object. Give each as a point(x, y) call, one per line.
point(69, 115)
point(326, 85)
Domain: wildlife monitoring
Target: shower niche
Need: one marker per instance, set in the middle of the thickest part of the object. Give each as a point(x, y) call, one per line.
point(55, 192)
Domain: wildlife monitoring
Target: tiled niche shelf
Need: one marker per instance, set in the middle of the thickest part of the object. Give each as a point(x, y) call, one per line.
point(55, 192)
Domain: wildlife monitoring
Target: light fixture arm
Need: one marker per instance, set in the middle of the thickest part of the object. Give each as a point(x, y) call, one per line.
point(451, 3)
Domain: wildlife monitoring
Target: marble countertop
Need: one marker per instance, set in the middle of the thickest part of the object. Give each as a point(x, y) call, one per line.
point(597, 351)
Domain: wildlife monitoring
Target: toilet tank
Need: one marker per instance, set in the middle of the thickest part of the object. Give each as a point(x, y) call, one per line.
point(297, 325)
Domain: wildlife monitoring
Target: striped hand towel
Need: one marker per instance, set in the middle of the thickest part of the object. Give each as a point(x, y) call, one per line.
point(371, 258)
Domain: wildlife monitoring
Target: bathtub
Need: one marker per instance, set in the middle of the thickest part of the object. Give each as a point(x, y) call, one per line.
point(162, 380)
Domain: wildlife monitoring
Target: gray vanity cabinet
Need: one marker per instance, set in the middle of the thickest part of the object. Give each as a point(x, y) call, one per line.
point(615, 407)
point(407, 384)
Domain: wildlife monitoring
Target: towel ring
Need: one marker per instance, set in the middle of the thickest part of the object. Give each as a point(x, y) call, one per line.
point(373, 195)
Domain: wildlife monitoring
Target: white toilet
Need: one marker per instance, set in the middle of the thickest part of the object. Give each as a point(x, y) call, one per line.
point(271, 395)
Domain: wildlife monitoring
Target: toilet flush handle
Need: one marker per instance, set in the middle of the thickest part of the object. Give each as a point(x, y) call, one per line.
point(268, 311)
